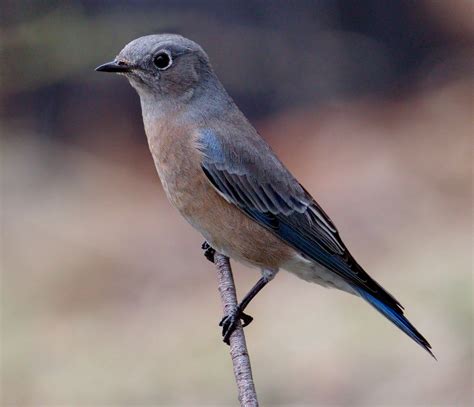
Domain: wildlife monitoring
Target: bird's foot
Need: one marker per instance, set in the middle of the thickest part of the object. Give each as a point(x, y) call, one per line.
point(209, 252)
point(229, 323)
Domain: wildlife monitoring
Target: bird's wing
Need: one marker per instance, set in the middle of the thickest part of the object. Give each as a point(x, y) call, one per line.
point(247, 173)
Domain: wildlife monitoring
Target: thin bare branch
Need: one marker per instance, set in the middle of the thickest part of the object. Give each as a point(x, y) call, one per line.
point(238, 346)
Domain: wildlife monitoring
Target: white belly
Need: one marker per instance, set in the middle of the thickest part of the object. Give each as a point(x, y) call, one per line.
point(315, 273)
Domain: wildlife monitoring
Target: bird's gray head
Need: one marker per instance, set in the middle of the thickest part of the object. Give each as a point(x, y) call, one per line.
point(162, 66)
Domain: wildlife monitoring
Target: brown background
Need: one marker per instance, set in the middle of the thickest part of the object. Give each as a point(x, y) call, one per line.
point(106, 297)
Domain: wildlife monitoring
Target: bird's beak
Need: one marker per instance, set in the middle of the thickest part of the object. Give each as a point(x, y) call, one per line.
point(114, 66)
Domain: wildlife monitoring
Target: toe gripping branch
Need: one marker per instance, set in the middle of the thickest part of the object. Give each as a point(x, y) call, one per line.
point(209, 252)
point(229, 322)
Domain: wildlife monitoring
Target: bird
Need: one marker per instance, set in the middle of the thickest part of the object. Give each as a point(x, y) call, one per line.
point(226, 181)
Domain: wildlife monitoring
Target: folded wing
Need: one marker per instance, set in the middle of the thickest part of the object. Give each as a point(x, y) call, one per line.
point(248, 175)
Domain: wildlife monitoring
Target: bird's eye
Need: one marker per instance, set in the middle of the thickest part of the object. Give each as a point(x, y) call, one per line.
point(162, 60)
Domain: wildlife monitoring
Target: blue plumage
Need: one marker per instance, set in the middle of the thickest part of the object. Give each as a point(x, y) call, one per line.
point(396, 317)
point(392, 310)
point(299, 227)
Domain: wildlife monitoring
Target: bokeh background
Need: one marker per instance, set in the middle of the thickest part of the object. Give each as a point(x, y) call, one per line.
point(106, 298)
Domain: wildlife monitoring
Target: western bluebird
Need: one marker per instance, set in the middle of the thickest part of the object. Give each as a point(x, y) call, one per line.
point(229, 185)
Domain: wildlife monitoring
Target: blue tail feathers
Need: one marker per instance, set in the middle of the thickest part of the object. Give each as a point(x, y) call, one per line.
point(395, 315)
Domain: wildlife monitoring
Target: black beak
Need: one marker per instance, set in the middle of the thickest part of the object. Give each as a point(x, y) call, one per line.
point(114, 66)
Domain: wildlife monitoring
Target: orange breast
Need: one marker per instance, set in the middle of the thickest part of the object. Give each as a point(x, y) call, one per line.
point(222, 224)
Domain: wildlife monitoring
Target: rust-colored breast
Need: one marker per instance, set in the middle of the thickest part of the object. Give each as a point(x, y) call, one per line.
point(222, 224)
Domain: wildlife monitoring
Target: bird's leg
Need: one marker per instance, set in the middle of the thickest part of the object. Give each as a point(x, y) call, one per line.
point(209, 252)
point(228, 323)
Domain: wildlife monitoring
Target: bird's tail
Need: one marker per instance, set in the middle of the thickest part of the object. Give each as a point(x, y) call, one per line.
point(395, 315)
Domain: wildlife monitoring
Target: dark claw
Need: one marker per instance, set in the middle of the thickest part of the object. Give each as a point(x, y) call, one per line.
point(229, 323)
point(209, 252)
point(246, 319)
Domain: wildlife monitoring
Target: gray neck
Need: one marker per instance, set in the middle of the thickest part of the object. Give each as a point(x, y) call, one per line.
point(209, 99)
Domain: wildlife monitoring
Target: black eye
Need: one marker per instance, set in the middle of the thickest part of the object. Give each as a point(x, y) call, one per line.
point(162, 60)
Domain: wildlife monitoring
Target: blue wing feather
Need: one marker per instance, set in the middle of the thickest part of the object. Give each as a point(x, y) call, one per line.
point(274, 199)
point(398, 319)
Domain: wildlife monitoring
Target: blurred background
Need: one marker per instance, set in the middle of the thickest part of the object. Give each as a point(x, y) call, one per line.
point(106, 296)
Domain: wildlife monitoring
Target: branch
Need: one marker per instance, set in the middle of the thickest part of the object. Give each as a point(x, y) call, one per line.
point(238, 346)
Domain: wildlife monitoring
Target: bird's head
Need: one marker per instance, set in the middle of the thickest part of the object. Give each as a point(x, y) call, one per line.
point(162, 66)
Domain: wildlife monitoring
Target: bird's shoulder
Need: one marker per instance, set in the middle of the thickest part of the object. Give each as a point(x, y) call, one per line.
point(234, 147)
point(245, 171)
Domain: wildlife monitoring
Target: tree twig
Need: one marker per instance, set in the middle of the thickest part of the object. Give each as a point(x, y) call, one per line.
point(238, 346)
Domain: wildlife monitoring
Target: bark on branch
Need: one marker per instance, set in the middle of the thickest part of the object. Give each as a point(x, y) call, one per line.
point(238, 346)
